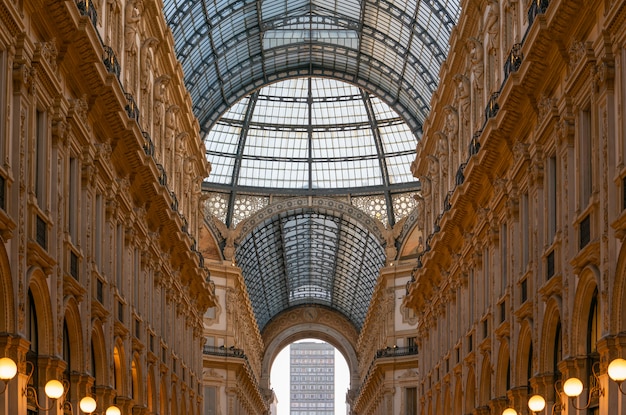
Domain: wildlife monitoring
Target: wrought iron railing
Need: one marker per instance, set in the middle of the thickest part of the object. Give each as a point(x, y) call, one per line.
point(537, 7)
point(492, 106)
point(514, 60)
point(224, 351)
point(87, 8)
point(447, 205)
point(111, 62)
point(174, 205)
point(396, 351)
point(460, 176)
point(131, 107)
point(148, 146)
point(162, 175)
point(474, 145)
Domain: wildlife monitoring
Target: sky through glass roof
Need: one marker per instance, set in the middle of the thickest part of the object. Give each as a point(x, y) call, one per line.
point(311, 98)
point(310, 134)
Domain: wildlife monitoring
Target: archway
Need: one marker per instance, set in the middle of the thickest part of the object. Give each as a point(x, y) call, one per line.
point(7, 312)
point(303, 367)
point(310, 322)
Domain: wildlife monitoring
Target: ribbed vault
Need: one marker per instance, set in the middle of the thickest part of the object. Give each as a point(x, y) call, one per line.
point(310, 256)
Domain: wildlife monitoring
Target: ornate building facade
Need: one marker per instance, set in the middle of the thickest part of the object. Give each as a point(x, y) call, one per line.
point(521, 285)
point(130, 278)
point(102, 286)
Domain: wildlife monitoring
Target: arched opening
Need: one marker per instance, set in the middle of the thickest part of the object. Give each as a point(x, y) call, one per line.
point(163, 407)
point(593, 357)
point(310, 372)
point(32, 356)
point(117, 372)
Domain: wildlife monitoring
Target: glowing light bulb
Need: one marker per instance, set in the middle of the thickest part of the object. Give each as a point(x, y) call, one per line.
point(617, 370)
point(573, 387)
point(8, 369)
point(87, 404)
point(536, 403)
point(54, 389)
point(113, 410)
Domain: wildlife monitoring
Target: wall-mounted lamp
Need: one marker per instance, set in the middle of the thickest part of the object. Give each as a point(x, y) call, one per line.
point(573, 387)
point(8, 370)
point(54, 390)
point(536, 403)
point(617, 372)
point(88, 405)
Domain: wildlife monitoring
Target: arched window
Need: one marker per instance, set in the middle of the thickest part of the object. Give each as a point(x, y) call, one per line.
point(558, 351)
point(66, 353)
point(593, 358)
point(529, 368)
point(508, 374)
point(117, 372)
point(33, 352)
point(593, 325)
point(93, 361)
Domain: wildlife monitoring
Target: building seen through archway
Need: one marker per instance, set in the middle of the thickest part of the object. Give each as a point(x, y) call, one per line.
point(436, 188)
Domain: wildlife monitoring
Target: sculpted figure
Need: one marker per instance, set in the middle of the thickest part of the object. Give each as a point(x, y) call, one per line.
point(492, 25)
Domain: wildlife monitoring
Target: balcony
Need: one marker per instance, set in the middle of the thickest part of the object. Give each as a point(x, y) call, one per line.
point(110, 61)
point(224, 351)
point(514, 60)
point(87, 8)
point(131, 107)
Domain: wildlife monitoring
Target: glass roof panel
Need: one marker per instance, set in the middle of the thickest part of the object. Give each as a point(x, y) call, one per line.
point(307, 257)
point(230, 48)
point(310, 128)
point(273, 87)
point(271, 174)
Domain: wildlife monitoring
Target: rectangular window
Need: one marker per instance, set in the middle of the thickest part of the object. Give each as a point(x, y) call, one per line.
point(585, 231)
point(504, 258)
point(584, 155)
point(119, 257)
point(41, 232)
point(411, 343)
point(524, 291)
point(552, 199)
point(411, 401)
point(623, 193)
point(3, 104)
point(120, 311)
point(470, 316)
point(98, 232)
point(41, 159)
point(73, 201)
point(3, 204)
point(525, 225)
point(550, 265)
point(74, 265)
point(486, 279)
point(100, 290)
point(136, 287)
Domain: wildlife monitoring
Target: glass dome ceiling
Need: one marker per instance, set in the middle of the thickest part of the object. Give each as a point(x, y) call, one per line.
point(310, 135)
point(294, 98)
